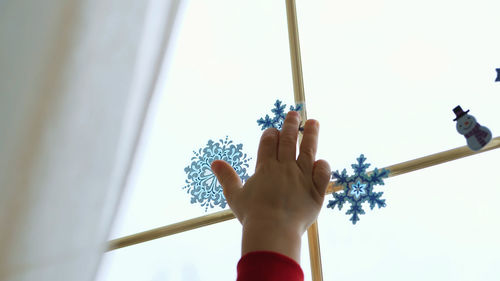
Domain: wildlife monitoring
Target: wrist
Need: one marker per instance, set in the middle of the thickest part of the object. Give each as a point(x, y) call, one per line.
point(268, 235)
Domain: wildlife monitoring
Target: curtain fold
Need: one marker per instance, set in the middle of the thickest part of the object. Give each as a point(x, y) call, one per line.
point(76, 78)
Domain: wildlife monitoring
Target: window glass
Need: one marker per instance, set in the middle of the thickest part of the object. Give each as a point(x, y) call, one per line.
point(191, 256)
point(440, 223)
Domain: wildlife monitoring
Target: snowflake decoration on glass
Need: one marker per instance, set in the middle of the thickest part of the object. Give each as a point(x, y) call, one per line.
point(358, 189)
point(279, 115)
point(202, 183)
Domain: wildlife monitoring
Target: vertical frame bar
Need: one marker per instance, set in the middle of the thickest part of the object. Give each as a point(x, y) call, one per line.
point(299, 96)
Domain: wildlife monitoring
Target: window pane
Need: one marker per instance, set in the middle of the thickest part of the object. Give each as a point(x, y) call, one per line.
point(209, 253)
point(387, 74)
point(440, 223)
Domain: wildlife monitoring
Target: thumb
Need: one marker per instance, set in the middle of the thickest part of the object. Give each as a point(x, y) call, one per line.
point(321, 176)
point(228, 178)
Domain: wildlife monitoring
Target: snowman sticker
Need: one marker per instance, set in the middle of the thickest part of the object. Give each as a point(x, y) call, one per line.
point(477, 136)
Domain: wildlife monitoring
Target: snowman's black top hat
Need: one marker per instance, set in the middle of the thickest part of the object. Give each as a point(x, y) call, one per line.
point(459, 112)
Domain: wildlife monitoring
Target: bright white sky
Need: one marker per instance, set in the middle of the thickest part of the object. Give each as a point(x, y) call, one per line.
point(382, 77)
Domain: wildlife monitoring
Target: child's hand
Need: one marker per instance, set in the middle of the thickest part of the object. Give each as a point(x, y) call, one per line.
point(284, 196)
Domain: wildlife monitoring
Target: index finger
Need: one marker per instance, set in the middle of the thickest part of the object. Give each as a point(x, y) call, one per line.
point(268, 146)
point(288, 137)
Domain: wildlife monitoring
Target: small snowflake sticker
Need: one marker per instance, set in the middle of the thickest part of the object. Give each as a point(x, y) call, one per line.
point(358, 189)
point(279, 115)
point(202, 183)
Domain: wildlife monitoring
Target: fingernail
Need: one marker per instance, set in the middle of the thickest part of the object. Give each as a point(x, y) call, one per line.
point(269, 132)
point(295, 114)
point(314, 122)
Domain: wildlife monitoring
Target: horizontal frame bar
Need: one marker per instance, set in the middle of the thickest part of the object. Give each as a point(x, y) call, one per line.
point(395, 170)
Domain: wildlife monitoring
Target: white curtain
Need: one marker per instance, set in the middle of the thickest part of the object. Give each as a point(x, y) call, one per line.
point(76, 78)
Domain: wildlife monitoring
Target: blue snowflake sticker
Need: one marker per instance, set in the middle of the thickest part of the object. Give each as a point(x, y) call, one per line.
point(202, 183)
point(279, 115)
point(358, 189)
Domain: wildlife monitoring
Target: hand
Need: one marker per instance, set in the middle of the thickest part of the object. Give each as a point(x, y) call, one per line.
point(284, 196)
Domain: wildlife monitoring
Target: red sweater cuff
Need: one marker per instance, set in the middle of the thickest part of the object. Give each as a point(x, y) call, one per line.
point(268, 266)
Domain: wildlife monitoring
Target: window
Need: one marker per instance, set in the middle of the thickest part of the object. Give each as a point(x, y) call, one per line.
point(382, 77)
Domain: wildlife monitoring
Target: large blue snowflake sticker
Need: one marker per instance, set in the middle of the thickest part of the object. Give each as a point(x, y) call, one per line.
point(358, 189)
point(279, 115)
point(202, 183)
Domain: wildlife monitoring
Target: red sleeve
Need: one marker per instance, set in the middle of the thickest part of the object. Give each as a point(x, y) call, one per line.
point(268, 266)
